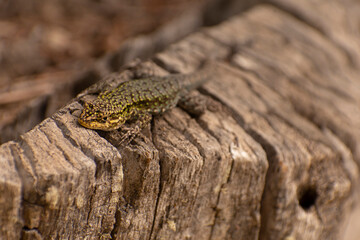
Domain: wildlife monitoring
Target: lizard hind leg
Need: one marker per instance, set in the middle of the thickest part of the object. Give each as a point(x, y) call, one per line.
point(194, 103)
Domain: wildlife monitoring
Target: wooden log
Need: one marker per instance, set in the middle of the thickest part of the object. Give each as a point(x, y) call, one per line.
point(270, 158)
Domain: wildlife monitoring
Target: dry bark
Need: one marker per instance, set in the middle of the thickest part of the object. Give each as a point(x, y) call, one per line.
point(273, 156)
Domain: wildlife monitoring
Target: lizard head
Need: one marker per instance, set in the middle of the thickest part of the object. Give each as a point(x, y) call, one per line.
point(101, 116)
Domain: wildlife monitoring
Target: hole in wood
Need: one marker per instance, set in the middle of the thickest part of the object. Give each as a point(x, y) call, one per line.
point(307, 197)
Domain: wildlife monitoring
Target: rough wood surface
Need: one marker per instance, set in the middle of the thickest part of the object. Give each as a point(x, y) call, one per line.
point(271, 157)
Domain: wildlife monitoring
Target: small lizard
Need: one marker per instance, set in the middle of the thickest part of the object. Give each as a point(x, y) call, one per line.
point(138, 99)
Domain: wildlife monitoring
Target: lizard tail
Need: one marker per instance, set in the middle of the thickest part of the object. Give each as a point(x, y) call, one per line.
point(196, 79)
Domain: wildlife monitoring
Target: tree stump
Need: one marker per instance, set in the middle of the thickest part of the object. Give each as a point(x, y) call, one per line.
point(273, 156)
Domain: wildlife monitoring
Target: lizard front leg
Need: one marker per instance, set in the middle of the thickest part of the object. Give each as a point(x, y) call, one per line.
point(143, 119)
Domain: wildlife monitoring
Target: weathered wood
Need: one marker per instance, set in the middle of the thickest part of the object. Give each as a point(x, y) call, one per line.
point(271, 157)
point(10, 195)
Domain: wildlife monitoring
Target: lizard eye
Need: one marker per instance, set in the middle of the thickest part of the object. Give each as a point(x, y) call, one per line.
point(104, 119)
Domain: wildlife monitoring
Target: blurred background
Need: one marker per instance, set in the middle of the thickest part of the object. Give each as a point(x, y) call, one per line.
point(51, 50)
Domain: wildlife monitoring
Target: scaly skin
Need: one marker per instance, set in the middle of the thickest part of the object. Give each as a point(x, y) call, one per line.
point(137, 99)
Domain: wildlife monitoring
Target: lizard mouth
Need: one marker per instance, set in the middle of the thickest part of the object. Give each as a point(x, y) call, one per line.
point(86, 124)
point(106, 126)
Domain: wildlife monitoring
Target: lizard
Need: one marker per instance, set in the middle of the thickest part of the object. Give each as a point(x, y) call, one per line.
point(138, 99)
